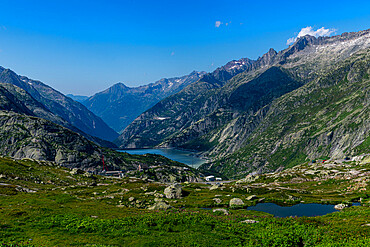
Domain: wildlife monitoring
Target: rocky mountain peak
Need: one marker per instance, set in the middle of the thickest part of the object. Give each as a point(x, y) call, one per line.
point(118, 86)
point(272, 52)
point(300, 44)
point(267, 58)
point(236, 65)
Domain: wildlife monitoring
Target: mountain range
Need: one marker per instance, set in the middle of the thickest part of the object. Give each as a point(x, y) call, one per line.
point(309, 101)
point(119, 105)
point(305, 102)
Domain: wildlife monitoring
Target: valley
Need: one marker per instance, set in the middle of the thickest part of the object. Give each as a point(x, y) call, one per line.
point(267, 152)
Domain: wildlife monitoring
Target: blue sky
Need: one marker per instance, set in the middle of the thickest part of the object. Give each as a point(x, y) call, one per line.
point(83, 47)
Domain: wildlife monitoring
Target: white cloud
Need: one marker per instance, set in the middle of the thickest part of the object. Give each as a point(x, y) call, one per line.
point(290, 41)
point(218, 24)
point(310, 31)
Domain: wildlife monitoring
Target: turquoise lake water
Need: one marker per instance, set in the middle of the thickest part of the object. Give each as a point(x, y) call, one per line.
point(185, 157)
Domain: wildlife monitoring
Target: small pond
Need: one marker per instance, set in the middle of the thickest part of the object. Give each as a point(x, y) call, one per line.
point(185, 157)
point(310, 209)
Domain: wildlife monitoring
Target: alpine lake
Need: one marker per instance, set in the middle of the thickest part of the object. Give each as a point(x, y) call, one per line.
point(182, 156)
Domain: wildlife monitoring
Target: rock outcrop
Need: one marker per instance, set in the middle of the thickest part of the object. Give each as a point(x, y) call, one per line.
point(173, 191)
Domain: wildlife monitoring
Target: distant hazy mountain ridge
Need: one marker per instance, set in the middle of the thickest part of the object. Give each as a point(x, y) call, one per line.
point(119, 105)
point(78, 98)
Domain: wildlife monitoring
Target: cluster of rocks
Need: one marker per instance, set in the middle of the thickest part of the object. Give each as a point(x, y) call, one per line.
point(173, 191)
point(248, 179)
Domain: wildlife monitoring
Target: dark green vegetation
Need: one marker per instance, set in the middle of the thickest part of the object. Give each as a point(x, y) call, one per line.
point(119, 105)
point(43, 205)
point(308, 101)
point(61, 106)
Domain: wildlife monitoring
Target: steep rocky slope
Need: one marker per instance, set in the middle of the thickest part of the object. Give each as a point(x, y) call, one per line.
point(119, 105)
point(18, 100)
point(71, 111)
point(219, 118)
point(326, 118)
point(17, 97)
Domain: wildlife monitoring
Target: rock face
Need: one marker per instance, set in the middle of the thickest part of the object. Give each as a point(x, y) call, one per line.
point(173, 191)
point(119, 105)
point(30, 137)
point(60, 105)
point(236, 203)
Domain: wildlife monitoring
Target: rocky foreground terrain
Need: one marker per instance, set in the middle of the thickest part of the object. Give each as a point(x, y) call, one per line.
point(46, 205)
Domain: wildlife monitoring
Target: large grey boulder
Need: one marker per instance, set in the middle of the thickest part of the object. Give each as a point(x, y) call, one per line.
point(173, 191)
point(236, 203)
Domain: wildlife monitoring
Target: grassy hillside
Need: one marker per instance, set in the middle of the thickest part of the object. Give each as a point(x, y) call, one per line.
point(43, 205)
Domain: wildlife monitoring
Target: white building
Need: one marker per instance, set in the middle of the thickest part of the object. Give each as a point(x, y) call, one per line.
point(210, 178)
